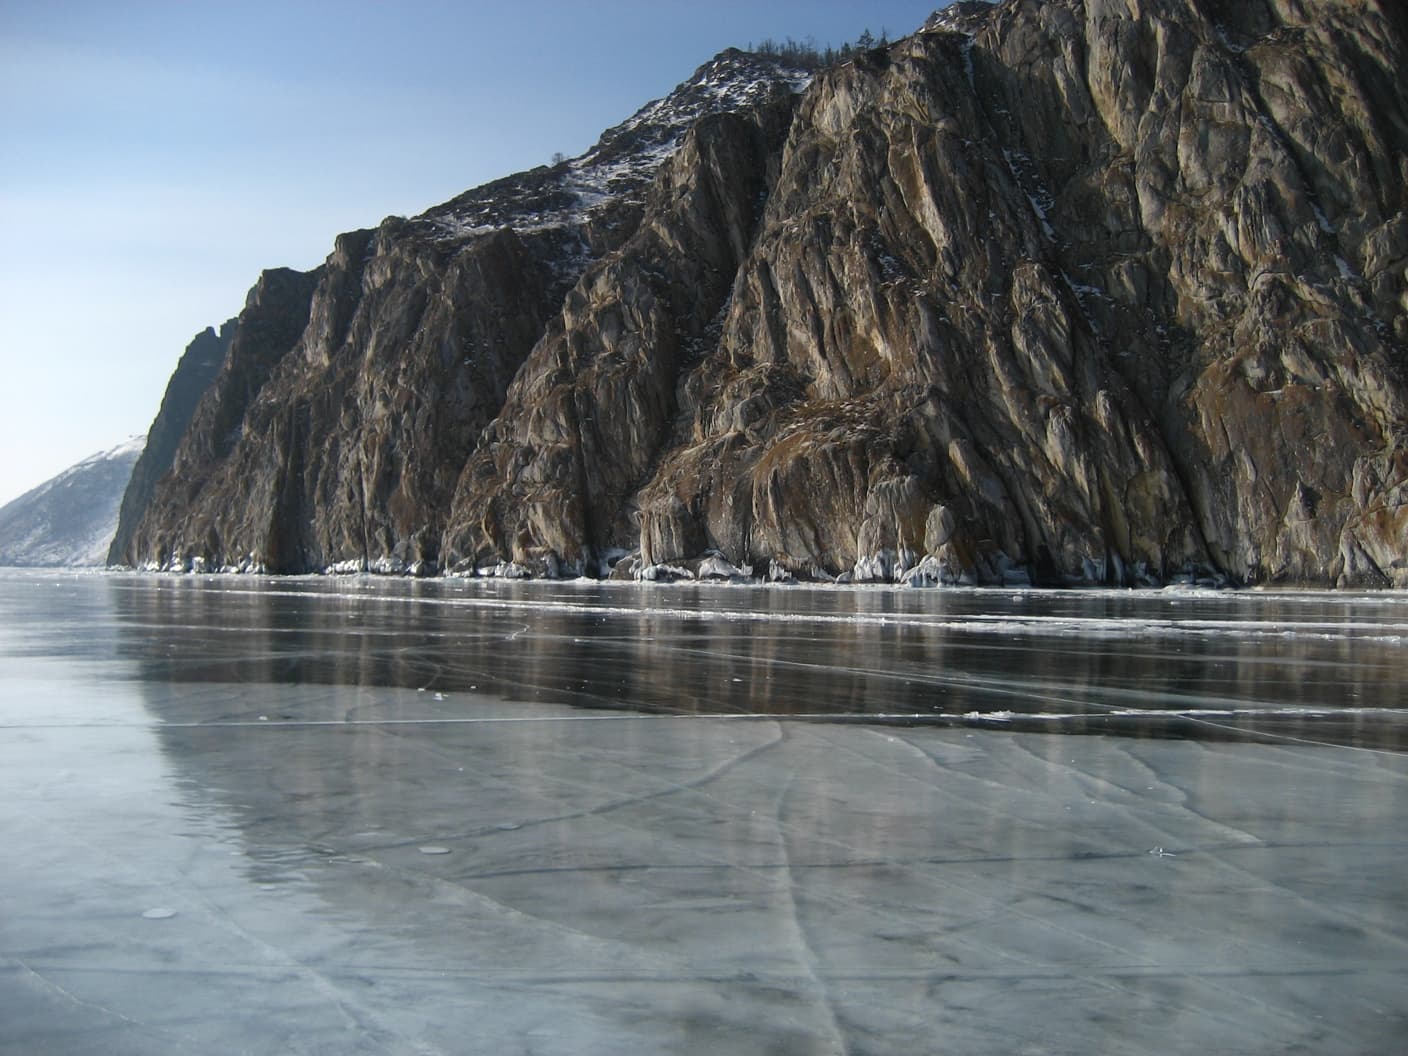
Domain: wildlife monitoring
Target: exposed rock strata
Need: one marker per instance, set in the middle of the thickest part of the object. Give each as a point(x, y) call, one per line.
point(1102, 291)
point(198, 367)
point(551, 486)
point(203, 489)
point(353, 395)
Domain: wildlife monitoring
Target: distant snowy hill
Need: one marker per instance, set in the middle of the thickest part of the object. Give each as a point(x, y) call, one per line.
point(70, 519)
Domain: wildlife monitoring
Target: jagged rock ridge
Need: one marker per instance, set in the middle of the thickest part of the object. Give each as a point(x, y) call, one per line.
point(69, 520)
point(352, 396)
point(1069, 291)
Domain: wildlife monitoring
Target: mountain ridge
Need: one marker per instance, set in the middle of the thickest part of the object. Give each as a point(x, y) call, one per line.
point(69, 520)
point(1054, 292)
point(461, 292)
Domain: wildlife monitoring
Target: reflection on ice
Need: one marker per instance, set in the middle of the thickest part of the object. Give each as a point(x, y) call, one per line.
point(1320, 667)
point(358, 853)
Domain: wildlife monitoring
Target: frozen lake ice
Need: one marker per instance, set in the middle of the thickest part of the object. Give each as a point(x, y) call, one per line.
point(375, 816)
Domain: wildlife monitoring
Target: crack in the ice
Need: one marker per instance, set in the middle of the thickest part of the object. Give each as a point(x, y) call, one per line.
point(1032, 918)
point(463, 884)
point(806, 954)
point(1138, 805)
point(68, 995)
point(671, 788)
point(355, 1015)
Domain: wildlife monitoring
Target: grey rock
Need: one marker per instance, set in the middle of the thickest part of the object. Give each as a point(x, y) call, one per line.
point(1077, 291)
point(345, 415)
point(194, 373)
point(1092, 280)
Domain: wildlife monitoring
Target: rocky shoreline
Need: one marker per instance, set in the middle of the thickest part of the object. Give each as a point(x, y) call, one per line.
point(1063, 292)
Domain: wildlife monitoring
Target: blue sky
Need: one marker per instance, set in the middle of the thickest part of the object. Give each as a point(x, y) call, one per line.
point(157, 156)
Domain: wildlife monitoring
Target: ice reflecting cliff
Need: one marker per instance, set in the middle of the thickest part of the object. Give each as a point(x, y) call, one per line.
point(1319, 665)
point(373, 816)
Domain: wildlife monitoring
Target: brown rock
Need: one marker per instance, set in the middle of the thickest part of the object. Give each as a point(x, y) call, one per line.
point(1071, 291)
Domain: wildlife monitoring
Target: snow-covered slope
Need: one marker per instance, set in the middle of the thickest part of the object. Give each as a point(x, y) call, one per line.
point(70, 519)
point(620, 167)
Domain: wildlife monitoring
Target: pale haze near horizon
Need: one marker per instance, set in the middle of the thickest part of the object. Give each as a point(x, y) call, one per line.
point(158, 156)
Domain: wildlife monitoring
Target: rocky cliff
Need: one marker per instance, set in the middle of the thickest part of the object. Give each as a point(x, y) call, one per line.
point(1073, 291)
point(68, 521)
point(197, 368)
point(353, 395)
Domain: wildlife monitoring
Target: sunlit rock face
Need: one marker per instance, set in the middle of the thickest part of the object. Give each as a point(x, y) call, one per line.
point(354, 395)
point(1055, 292)
point(594, 408)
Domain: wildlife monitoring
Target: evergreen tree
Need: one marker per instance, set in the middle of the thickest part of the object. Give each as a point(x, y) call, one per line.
point(806, 53)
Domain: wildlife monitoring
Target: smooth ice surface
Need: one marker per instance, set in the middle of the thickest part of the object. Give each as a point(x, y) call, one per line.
point(381, 816)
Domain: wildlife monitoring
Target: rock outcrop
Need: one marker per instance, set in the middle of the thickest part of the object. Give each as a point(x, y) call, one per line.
point(197, 368)
point(69, 520)
point(353, 395)
point(1109, 291)
point(551, 486)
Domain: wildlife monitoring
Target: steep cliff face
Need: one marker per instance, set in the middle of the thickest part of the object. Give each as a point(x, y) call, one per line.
point(1052, 291)
point(198, 367)
point(551, 486)
point(197, 495)
point(390, 359)
point(1079, 290)
point(336, 439)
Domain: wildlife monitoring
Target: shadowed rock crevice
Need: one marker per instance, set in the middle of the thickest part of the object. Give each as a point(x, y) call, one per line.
point(551, 487)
